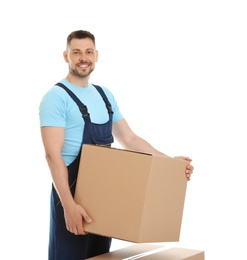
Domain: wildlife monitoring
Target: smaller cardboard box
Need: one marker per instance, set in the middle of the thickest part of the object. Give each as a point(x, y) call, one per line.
point(151, 252)
point(131, 196)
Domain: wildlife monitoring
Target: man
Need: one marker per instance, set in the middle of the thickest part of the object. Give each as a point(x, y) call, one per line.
point(72, 113)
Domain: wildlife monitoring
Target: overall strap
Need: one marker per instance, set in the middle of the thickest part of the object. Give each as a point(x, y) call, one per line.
point(103, 95)
point(81, 106)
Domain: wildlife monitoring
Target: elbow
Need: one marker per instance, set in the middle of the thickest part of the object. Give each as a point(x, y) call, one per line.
point(48, 158)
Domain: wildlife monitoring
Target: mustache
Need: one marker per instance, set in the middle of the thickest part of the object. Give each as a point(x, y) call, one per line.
point(84, 62)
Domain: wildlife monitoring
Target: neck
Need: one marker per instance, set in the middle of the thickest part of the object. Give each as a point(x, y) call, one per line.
point(80, 82)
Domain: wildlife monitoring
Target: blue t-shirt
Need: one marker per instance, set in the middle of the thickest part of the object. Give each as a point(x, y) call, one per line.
point(58, 109)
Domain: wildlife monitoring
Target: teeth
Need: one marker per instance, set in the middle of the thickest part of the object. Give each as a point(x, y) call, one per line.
point(83, 66)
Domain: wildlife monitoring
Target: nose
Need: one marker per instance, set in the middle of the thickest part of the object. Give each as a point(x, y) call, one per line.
point(83, 57)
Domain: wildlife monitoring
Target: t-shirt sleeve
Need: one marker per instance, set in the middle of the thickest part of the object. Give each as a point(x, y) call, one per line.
point(51, 110)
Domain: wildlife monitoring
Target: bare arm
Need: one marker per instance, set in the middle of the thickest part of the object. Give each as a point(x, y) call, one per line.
point(129, 140)
point(53, 140)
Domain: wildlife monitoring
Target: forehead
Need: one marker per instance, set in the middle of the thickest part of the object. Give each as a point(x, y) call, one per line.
point(81, 44)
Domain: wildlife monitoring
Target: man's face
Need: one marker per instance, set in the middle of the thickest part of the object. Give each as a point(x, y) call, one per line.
point(81, 56)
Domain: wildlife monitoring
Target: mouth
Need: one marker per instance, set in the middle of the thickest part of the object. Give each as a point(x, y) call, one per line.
point(83, 65)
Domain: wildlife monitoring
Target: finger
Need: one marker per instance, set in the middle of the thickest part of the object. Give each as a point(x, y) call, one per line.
point(84, 233)
point(190, 168)
point(70, 229)
point(188, 173)
point(85, 216)
point(81, 231)
point(186, 158)
point(73, 231)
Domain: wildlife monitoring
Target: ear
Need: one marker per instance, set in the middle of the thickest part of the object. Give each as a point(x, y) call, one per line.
point(96, 56)
point(65, 56)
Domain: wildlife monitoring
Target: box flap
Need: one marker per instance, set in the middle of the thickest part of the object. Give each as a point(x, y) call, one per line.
point(127, 252)
point(151, 252)
point(175, 254)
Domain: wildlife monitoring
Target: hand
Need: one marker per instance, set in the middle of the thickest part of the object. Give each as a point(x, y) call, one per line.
point(189, 168)
point(75, 216)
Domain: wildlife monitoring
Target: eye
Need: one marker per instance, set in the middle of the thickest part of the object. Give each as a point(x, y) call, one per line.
point(90, 52)
point(76, 52)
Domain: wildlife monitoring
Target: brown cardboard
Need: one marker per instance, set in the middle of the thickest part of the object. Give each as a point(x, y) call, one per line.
point(151, 252)
point(131, 196)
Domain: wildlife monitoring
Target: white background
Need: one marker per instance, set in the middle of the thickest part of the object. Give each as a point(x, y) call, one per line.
point(178, 71)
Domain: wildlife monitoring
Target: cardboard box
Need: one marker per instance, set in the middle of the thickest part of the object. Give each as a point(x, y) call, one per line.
point(131, 196)
point(151, 252)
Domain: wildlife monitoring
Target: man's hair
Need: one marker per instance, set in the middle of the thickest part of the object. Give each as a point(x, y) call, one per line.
point(80, 34)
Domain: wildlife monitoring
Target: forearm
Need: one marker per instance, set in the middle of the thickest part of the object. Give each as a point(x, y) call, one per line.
point(74, 214)
point(129, 140)
point(136, 143)
point(59, 174)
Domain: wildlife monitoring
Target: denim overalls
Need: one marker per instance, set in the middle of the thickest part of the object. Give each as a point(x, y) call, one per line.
point(64, 245)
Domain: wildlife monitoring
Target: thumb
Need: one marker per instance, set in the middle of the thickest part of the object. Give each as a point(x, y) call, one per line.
point(186, 158)
point(86, 216)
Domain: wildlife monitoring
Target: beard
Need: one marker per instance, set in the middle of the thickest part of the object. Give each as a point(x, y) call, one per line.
point(75, 72)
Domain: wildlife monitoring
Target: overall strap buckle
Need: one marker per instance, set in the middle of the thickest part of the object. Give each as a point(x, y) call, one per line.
point(84, 111)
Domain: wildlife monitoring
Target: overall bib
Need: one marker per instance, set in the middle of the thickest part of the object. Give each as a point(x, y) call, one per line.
point(64, 245)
